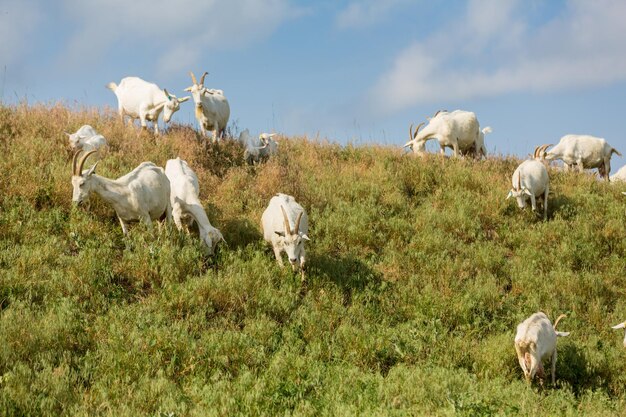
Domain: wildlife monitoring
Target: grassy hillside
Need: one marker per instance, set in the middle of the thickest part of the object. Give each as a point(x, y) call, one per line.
point(419, 271)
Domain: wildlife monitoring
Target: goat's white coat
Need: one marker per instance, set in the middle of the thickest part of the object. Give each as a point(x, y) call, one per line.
point(275, 232)
point(620, 175)
point(458, 130)
point(535, 342)
point(530, 181)
point(87, 139)
point(145, 101)
point(212, 110)
point(584, 152)
point(143, 194)
point(185, 201)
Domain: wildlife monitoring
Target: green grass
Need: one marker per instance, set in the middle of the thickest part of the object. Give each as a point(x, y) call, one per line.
point(419, 272)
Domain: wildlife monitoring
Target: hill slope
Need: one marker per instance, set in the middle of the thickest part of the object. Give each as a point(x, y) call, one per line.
point(419, 271)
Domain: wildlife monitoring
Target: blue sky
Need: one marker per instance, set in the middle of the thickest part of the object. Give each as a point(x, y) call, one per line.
point(349, 71)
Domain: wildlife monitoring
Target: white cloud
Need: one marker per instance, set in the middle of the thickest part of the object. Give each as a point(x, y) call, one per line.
point(18, 19)
point(364, 13)
point(493, 50)
point(184, 30)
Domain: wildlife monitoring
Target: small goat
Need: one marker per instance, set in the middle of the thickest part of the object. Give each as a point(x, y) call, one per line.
point(143, 194)
point(285, 225)
point(186, 205)
point(530, 180)
point(535, 341)
point(87, 139)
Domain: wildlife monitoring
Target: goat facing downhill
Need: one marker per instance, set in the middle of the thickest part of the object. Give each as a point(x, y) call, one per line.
point(535, 341)
point(141, 195)
point(285, 225)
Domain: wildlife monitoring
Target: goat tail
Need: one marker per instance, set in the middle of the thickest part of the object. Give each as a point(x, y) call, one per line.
point(487, 129)
point(557, 320)
point(613, 150)
point(111, 86)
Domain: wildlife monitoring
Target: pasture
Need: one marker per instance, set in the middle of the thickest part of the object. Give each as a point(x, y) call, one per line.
point(418, 273)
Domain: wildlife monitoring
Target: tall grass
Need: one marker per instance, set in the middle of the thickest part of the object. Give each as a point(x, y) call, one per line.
point(419, 271)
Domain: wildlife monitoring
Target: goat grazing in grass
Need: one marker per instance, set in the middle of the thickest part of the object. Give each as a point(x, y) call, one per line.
point(285, 225)
point(583, 152)
point(530, 180)
point(143, 194)
point(186, 205)
point(535, 342)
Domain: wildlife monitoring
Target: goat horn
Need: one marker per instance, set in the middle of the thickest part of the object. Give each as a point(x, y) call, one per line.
point(418, 128)
point(287, 228)
point(167, 94)
point(202, 78)
point(74, 162)
point(193, 77)
point(536, 151)
point(411, 131)
point(79, 170)
point(298, 222)
point(557, 320)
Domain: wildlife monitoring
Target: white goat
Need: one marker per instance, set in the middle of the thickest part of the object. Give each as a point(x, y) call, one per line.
point(620, 175)
point(143, 194)
point(186, 205)
point(530, 180)
point(145, 101)
point(270, 146)
point(623, 324)
point(285, 225)
point(584, 152)
point(535, 341)
point(212, 108)
point(457, 130)
point(87, 139)
point(257, 150)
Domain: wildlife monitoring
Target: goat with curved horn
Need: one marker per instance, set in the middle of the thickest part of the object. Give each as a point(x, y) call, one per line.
point(276, 230)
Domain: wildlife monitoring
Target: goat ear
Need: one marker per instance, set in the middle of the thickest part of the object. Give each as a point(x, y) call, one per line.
point(305, 237)
point(160, 106)
point(527, 192)
point(619, 326)
point(188, 89)
point(92, 169)
point(183, 99)
point(562, 334)
point(68, 134)
point(281, 234)
point(509, 195)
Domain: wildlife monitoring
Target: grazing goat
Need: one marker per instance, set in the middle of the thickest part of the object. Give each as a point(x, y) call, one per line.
point(285, 225)
point(535, 341)
point(212, 108)
point(584, 152)
point(186, 206)
point(623, 324)
point(620, 175)
point(145, 101)
point(143, 194)
point(457, 130)
point(530, 180)
point(87, 139)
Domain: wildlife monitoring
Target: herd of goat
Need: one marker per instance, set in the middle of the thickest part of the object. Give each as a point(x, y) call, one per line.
point(148, 192)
